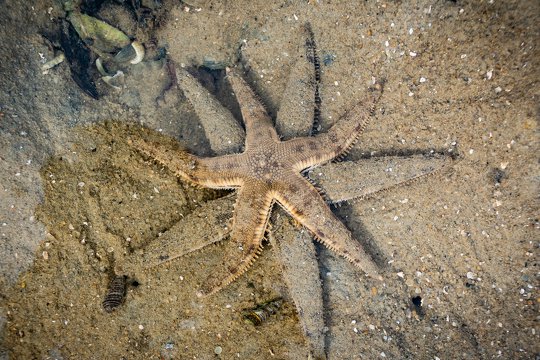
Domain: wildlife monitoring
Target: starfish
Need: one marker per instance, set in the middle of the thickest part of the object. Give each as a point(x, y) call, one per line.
point(269, 171)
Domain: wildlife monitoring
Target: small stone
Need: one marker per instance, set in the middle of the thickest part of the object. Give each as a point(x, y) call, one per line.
point(45, 255)
point(218, 350)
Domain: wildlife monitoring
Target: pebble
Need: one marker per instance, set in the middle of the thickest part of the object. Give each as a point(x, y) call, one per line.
point(218, 350)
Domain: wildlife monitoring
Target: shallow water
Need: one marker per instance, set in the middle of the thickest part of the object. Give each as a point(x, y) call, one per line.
point(79, 203)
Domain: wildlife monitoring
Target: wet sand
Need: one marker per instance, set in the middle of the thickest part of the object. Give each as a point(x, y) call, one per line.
point(460, 247)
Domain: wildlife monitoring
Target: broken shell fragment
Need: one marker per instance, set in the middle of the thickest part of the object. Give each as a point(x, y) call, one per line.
point(134, 53)
point(53, 62)
point(100, 36)
point(101, 68)
point(213, 64)
point(116, 81)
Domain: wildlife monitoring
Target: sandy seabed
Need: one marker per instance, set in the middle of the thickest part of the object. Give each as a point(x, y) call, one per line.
point(461, 279)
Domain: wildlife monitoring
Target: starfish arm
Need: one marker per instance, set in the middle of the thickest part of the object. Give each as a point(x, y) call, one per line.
point(259, 126)
point(200, 171)
point(309, 209)
point(182, 163)
point(350, 180)
point(222, 172)
point(251, 212)
point(337, 141)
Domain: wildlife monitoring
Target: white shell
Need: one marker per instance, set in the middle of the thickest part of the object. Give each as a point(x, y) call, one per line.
point(139, 51)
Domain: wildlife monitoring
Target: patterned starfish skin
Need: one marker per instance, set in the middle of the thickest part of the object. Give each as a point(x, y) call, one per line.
point(268, 172)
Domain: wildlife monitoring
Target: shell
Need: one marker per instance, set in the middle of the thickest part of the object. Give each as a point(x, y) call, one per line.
point(213, 64)
point(115, 294)
point(134, 53)
point(116, 81)
point(52, 63)
point(100, 36)
point(101, 68)
point(262, 312)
